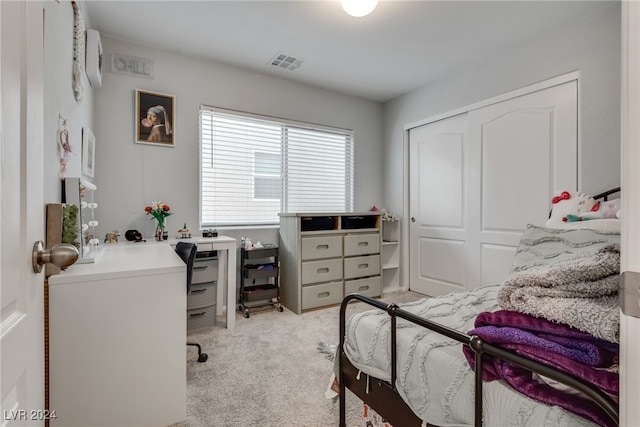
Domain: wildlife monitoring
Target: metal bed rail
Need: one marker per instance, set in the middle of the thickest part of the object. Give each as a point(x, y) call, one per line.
point(479, 347)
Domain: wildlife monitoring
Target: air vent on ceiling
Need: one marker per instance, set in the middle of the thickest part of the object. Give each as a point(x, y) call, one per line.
point(286, 62)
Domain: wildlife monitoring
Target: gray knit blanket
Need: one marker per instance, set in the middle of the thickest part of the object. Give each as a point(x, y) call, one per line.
point(581, 292)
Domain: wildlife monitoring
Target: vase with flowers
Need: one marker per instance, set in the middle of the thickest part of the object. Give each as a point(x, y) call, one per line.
point(159, 211)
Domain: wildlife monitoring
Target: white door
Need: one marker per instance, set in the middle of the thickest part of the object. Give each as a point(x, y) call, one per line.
point(21, 213)
point(477, 180)
point(630, 245)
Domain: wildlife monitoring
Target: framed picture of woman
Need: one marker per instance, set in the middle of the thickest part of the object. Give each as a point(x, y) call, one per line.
point(154, 116)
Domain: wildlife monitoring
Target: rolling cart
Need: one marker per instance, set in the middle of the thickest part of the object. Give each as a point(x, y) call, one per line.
point(259, 285)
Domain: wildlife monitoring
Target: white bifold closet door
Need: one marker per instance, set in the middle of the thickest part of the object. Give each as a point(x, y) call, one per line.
point(477, 179)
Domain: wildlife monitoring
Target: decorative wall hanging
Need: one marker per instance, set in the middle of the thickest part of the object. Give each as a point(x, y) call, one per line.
point(154, 116)
point(78, 52)
point(64, 145)
point(88, 152)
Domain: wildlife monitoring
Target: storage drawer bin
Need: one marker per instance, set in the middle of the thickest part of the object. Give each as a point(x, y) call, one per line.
point(321, 271)
point(202, 295)
point(318, 223)
point(321, 247)
point(371, 286)
point(361, 244)
point(205, 271)
point(260, 293)
point(262, 270)
point(362, 266)
point(321, 295)
point(201, 317)
point(266, 252)
point(359, 221)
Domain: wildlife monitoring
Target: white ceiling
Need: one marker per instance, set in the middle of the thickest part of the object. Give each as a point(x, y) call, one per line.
point(402, 45)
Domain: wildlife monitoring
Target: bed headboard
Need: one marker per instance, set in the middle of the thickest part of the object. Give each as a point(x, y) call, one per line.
point(605, 195)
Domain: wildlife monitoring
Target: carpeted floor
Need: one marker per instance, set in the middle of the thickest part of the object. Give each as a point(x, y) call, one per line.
point(271, 370)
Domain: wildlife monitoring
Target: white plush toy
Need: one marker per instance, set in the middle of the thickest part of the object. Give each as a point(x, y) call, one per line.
point(570, 206)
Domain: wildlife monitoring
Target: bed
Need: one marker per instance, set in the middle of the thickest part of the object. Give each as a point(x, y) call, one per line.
point(540, 348)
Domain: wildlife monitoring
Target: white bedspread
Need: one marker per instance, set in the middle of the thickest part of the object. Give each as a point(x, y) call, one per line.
point(433, 375)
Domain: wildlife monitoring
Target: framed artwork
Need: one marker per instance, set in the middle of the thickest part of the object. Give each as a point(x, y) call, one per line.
point(154, 117)
point(88, 152)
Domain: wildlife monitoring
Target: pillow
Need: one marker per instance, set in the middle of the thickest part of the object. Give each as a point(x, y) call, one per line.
point(610, 208)
point(573, 206)
point(604, 225)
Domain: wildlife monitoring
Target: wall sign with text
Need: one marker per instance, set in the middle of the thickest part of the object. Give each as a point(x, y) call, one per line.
point(132, 65)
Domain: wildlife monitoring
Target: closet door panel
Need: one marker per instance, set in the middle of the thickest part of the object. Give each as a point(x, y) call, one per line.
point(524, 149)
point(477, 179)
point(437, 227)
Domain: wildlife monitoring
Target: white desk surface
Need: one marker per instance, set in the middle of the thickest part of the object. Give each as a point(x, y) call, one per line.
point(130, 259)
point(123, 261)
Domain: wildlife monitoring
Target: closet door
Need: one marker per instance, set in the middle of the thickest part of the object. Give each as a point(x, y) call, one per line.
point(513, 156)
point(438, 226)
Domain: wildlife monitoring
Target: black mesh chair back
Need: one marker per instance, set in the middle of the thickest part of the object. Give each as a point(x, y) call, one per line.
point(187, 251)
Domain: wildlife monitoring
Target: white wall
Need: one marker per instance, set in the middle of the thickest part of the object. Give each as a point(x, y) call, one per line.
point(59, 98)
point(591, 46)
point(130, 176)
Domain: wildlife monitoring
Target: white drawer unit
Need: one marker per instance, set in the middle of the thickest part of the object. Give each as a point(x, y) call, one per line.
point(321, 295)
point(321, 247)
point(321, 271)
point(361, 244)
point(326, 256)
point(370, 286)
point(201, 301)
point(362, 266)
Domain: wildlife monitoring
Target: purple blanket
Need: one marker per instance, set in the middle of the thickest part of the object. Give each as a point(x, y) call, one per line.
point(554, 344)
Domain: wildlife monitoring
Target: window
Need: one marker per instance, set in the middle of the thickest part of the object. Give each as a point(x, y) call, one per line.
point(254, 167)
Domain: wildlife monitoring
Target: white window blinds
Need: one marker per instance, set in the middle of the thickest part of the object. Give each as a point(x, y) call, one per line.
point(254, 167)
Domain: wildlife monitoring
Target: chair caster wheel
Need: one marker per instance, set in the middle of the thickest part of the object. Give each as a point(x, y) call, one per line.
point(203, 357)
point(246, 314)
point(280, 309)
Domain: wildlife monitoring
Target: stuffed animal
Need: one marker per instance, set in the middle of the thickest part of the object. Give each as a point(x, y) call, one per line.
point(571, 206)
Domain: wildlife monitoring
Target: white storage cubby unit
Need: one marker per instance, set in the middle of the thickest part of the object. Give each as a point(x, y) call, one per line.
point(326, 256)
point(390, 255)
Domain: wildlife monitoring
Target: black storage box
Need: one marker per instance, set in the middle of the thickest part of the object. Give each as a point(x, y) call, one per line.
point(360, 221)
point(317, 223)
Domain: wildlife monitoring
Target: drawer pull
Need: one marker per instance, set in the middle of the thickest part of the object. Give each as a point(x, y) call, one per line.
point(363, 244)
point(363, 288)
point(198, 314)
point(197, 291)
point(324, 294)
point(322, 247)
point(323, 270)
point(363, 266)
point(200, 267)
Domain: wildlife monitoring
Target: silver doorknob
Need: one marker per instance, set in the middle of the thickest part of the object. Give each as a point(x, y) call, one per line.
point(62, 255)
point(413, 219)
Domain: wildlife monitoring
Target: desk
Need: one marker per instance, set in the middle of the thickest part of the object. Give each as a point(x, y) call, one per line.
point(117, 334)
point(227, 264)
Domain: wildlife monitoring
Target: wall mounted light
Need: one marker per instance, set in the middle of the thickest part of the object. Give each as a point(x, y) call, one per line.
point(358, 8)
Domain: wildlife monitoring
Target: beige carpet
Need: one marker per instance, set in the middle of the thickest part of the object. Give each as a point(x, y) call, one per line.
point(268, 371)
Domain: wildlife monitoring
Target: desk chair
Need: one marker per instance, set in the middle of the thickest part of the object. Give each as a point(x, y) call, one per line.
point(187, 252)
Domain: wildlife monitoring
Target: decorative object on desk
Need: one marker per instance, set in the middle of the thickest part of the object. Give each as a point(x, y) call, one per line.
point(70, 225)
point(159, 211)
point(133, 235)
point(209, 233)
point(112, 237)
point(154, 117)
point(184, 233)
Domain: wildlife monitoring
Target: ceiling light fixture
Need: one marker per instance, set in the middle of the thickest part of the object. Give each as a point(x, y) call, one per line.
point(359, 8)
